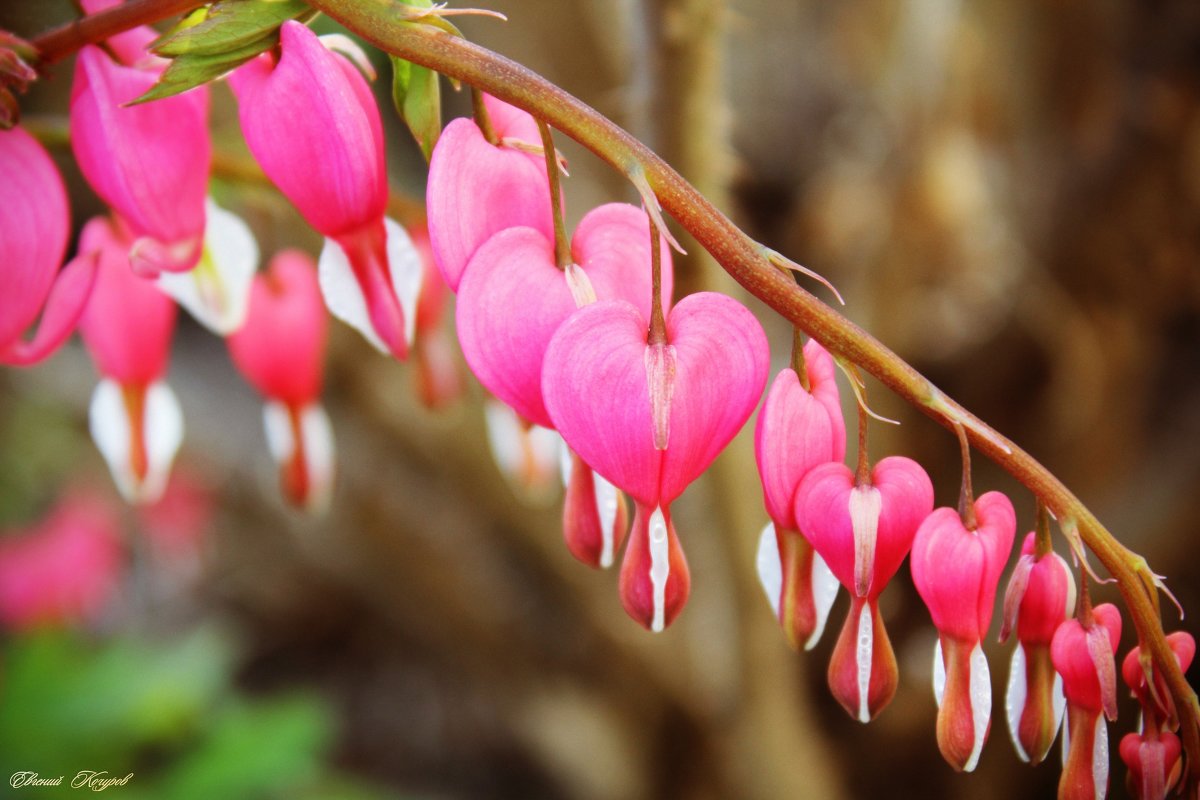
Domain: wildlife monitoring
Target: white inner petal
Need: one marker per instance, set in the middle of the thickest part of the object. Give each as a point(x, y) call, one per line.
point(281, 441)
point(319, 455)
point(865, 505)
point(1066, 741)
point(1014, 698)
point(543, 449)
point(981, 703)
point(164, 435)
point(939, 674)
point(660, 567)
point(108, 423)
point(1100, 758)
point(825, 588)
point(404, 264)
point(582, 291)
point(343, 296)
point(863, 659)
point(608, 499)
point(1058, 701)
point(770, 568)
point(565, 458)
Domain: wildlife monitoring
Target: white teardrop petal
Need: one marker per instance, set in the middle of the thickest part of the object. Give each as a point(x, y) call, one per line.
point(939, 674)
point(319, 455)
point(1100, 758)
point(281, 441)
point(162, 432)
point(981, 703)
point(216, 292)
point(865, 661)
point(343, 296)
point(1014, 698)
point(660, 567)
point(608, 500)
point(565, 461)
point(770, 568)
point(108, 423)
point(825, 588)
point(404, 264)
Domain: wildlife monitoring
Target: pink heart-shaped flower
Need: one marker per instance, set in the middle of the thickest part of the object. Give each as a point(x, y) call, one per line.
point(513, 297)
point(597, 389)
point(477, 189)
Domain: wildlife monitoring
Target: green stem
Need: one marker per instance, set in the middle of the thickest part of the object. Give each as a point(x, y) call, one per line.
point(381, 23)
point(562, 247)
point(482, 118)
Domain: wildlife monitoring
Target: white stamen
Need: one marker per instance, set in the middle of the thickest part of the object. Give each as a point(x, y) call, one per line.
point(939, 673)
point(981, 703)
point(660, 567)
point(1015, 697)
point(1100, 759)
point(825, 588)
point(770, 568)
point(863, 659)
point(865, 505)
point(582, 291)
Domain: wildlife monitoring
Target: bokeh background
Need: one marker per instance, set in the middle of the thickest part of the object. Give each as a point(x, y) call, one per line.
point(1007, 193)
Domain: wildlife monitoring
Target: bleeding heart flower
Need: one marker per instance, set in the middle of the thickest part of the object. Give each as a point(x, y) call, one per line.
point(1040, 597)
point(526, 454)
point(650, 417)
point(62, 570)
point(1154, 763)
point(280, 350)
point(863, 530)
point(135, 418)
point(216, 292)
point(1083, 655)
point(34, 224)
point(956, 570)
point(798, 429)
point(149, 161)
point(330, 165)
point(477, 189)
point(438, 373)
point(1158, 703)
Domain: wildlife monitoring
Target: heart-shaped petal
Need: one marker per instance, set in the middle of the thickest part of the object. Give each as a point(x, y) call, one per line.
point(612, 243)
point(825, 505)
point(476, 189)
point(596, 388)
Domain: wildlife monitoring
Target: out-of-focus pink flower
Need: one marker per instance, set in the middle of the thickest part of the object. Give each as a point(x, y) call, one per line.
point(330, 165)
point(63, 569)
point(34, 223)
point(1083, 655)
point(135, 418)
point(956, 570)
point(177, 522)
point(280, 350)
point(438, 374)
point(798, 429)
point(149, 161)
point(650, 417)
point(863, 531)
point(477, 189)
point(1040, 597)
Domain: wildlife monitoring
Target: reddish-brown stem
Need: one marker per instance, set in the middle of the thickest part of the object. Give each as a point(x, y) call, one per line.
point(382, 23)
point(799, 366)
point(562, 247)
point(658, 324)
point(482, 119)
point(862, 475)
point(966, 495)
point(1042, 542)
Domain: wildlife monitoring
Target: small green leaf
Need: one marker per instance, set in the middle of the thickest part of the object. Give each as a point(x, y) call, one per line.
point(229, 25)
point(418, 99)
point(189, 71)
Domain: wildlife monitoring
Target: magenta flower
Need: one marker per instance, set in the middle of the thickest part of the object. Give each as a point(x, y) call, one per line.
point(149, 161)
point(1040, 597)
point(1083, 655)
point(34, 222)
point(477, 189)
point(956, 570)
point(1135, 673)
point(62, 570)
point(437, 372)
point(650, 417)
point(1153, 762)
point(135, 418)
point(280, 350)
point(863, 529)
point(798, 429)
point(330, 165)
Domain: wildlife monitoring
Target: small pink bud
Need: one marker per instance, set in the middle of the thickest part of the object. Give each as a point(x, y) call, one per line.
point(34, 223)
point(149, 162)
point(655, 581)
point(63, 569)
point(1158, 703)
point(438, 373)
point(477, 189)
point(1083, 656)
point(1154, 764)
point(595, 518)
point(1040, 597)
point(280, 350)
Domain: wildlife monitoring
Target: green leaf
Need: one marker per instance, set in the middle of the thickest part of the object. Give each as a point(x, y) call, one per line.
point(192, 70)
point(418, 99)
point(228, 25)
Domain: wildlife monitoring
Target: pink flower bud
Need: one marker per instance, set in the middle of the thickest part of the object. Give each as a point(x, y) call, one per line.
point(63, 569)
point(797, 430)
point(1083, 656)
point(438, 373)
point(956, 572)
point(477, 189)
point(34, 224)
point(149, 161)
point(1040, 597)
point(1154, 764)
point(1158, 703)
point(863, 533)
point(595, 518)
point(655, 581)
point(134, 418)
point(280, 350)
point(330, 165)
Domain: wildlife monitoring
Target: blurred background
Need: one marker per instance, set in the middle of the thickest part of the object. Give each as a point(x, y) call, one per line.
point(1007, 194)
